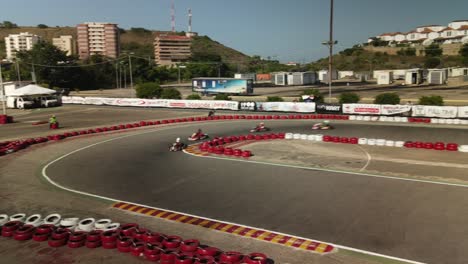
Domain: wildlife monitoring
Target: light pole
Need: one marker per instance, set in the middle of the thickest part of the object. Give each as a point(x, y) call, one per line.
point(2, 90)
point(330, 44)
point(131, 72)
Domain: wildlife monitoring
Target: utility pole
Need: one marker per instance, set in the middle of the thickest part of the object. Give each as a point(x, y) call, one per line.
point(131, 74)
point(219, 70)
point(33, 74)
point(18, 71)
point(117, 75)
point(2, 90)
point(125, 76)
point(330, 44)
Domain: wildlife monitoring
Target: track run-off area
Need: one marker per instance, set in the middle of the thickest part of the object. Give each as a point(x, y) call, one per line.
point(418, 220)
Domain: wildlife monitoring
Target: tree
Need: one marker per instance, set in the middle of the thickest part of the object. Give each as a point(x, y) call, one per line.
point(171, 93)
point(42, 26)
point(431, 100)
point(194, 97)
point(8, 24)
point(222, 97)
point(387, 98)
point(275, 99)
point(318, 97)
point(148, 90)
point(464, 54)
point(432, 62)
point(433, 50)
point(349, 98)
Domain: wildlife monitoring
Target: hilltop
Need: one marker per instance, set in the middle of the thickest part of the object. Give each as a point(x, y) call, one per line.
point(138, 40)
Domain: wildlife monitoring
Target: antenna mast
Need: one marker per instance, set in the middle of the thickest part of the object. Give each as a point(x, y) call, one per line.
point(172, 16)
point(190, 20)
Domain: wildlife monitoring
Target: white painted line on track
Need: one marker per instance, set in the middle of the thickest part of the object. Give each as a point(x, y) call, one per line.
point(44, 174)
point(369, 158)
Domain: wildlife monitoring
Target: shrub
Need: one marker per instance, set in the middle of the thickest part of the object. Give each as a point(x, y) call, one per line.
point(274, 99)
point(432, 62)
point(171, 93)
point(194, 97)
point(42, 26)
point(148, 90)
point(387, 98)
point(223, 97)
point(349, 98)
point(318, 97)
point(431, 100)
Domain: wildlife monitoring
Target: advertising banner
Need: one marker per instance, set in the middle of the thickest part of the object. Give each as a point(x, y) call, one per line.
point(286, 107)
point(248, 106)
point(435, 111)
point(328, 108)
point(362, 109)
point(463, 111)
point(394, 109)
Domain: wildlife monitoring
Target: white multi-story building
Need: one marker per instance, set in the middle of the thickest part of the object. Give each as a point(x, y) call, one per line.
point(19, 42)
point(65, 43)
point(98, 39)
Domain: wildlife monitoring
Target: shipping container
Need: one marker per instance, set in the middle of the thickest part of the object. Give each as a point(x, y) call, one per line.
point(302, 78)
point(437, 76)
point(246, 76)
point(323, 75)
point(414, 76)
point(263, 77)
point(345, 74)
point(208, 85)
point(280, 78)
point(384, 78)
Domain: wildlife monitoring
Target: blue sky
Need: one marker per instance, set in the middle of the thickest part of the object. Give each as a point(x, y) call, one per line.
point(289, 30)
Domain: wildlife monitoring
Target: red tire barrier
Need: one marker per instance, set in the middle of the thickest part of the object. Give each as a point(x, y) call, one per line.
point(137, 249)
point(38, 237)
point(139, 232)
point(205, 260)
point(172, 242)
point(124, 249)
point(409, 144)
point(189, 245)
point(255, 258)
point(168, 256)
point(207, 251)
point(353, 140)
point(93, 244)
point(335, 139)
point(53, 242)
point(24, 232)
point(183, 259)
point(231, 257)
point(428, 145)
point(11, 226)
point(152, 249)
point(7, 233)
point(109, 236)
point(75, 243)
point(153, 237)
point(60, 234)
point(78, 235)
point(344, 140)
point(109, 245)
point(128, 229)
point(452, 147)
point(124, 241)
point(45, 229)
point(94, 235)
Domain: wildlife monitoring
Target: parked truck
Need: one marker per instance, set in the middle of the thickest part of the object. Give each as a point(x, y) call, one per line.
point(210, 85)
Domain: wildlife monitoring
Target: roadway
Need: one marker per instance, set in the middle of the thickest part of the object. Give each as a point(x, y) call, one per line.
point(407, 219)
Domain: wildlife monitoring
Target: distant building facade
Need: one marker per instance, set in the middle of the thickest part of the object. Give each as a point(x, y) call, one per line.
point(19, 42)
point(65, 43)
point(172, 49)
point(95, 38)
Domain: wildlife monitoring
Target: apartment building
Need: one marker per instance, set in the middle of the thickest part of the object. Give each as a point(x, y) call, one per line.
point(454, 32)
point(95, 38)
point(19, 42)
point(172, 49)
point(65, 43)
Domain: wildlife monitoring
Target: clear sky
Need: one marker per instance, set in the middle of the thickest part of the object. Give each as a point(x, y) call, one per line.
point(289, 30)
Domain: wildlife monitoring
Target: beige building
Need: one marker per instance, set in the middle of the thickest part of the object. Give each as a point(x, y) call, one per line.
point(172, 49)
point(19, 42)
point(65, 43)
point(98, 38)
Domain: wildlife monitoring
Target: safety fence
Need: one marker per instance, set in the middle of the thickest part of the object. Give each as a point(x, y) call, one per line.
point(298, 107)
point(126, 238)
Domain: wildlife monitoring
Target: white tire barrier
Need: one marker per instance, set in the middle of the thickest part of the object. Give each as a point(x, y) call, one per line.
point(3, 219)
point(389, 143)
point(362, 141)
point(319, 138)
point(456, 121)
point(311, 137)
point(397, 119)
point(367, 118)
point(102, 224)
point(86, 224)
point(463, 148)
point(374, 118)
point(404, 119)
point(73, 221)
point(112, 226)
point(18, 217)
point(399, 144)
point(352, 117)
point(383, 119)
point(304, 136)
point(442, 121)
point(464, 122)
point(449, 121)
point(288, 136)
point(371, 142)
point(34, 220)
point(434, 121)
point(52, 219)
point(380, 142)
point(359, 118)
point(297, 136)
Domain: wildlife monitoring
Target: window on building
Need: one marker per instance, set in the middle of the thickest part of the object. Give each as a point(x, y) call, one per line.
point(413, 36)
point(449, 33)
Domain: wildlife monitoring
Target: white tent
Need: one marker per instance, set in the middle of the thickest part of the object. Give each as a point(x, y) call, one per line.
point(30, 90)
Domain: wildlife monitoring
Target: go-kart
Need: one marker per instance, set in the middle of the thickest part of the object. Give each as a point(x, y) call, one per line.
point(259, 129)
point(321, 126)
point(196, 137)
point(177, 147)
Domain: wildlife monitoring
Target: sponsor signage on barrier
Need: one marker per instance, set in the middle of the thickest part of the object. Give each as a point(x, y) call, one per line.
point(231, 105)
point(463, 111)
point(286, 107)
point(394, 109)
point(435, 111)
point(362, 109)
point(249, 106)
point(328, 108)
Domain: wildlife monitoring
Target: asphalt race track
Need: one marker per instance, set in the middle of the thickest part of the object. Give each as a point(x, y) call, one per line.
point(412, 220)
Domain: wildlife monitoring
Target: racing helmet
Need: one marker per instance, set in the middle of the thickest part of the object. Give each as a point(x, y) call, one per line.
point(326, 122)
point(262, 123)
point(177, 140)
